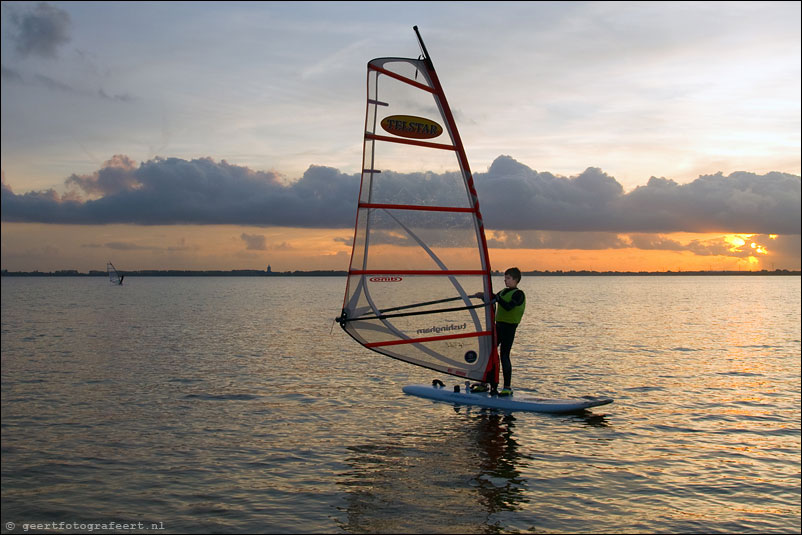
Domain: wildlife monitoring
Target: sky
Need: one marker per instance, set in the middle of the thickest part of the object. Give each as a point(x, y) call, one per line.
point(202, 135)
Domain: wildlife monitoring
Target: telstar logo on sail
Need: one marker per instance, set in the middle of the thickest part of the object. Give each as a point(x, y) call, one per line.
point(411, 126)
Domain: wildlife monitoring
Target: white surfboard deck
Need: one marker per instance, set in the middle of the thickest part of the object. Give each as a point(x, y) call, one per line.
point(516, 402)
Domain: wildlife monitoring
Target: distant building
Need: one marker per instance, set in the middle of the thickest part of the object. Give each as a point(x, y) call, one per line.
point(269, 270)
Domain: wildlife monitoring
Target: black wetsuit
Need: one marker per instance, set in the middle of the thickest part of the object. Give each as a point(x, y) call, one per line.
point(505, 332)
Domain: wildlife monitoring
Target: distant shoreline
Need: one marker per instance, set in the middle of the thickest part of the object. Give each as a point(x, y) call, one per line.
point(334, 273)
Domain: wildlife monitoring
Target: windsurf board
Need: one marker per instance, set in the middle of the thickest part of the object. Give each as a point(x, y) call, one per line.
point(516, 402)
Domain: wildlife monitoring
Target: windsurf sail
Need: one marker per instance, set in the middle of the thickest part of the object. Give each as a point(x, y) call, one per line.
point(114, 276)
point(419, 252)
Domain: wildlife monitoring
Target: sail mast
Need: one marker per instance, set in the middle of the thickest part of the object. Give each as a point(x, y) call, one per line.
point(463, 159)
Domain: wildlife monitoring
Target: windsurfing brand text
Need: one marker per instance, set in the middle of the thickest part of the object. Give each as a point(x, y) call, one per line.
point(439, 329)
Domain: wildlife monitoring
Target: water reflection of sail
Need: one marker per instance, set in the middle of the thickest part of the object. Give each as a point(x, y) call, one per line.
point(466, 474)
point(499, 480)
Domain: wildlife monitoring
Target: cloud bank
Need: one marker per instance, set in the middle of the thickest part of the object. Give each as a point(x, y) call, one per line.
point(513, 197)
point(172, 191)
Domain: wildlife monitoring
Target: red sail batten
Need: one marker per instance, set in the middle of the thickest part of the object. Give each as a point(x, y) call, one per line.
point(417, 207)
point(428, 339)
point(406, 141)
point(417, 272)
point(401, 78)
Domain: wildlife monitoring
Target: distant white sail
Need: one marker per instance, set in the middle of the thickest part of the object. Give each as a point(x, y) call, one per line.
point(419, 251)
point(114, 275)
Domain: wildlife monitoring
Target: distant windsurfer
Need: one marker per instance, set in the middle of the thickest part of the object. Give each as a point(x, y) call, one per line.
point(512, 302)
point(121, 280)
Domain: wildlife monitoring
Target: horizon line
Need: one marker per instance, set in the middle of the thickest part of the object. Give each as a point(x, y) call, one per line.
point(338, 272)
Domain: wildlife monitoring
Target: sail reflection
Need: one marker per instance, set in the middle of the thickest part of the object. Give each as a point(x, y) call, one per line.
point(465, 474)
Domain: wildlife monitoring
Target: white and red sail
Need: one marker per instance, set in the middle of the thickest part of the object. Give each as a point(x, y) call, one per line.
point(419, 252)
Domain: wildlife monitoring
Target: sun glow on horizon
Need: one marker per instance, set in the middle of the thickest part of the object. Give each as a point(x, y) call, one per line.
point(50, 248)
point(737, 240)
point(741, 244)
point(673, 252)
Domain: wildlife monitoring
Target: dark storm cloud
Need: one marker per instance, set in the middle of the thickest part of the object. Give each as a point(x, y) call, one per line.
point(116, 176)
point(741, 202)
point(170, 191)
point(513, 197)
point(40, 31)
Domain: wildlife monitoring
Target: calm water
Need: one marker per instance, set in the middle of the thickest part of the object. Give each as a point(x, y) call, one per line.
point(230, 405)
